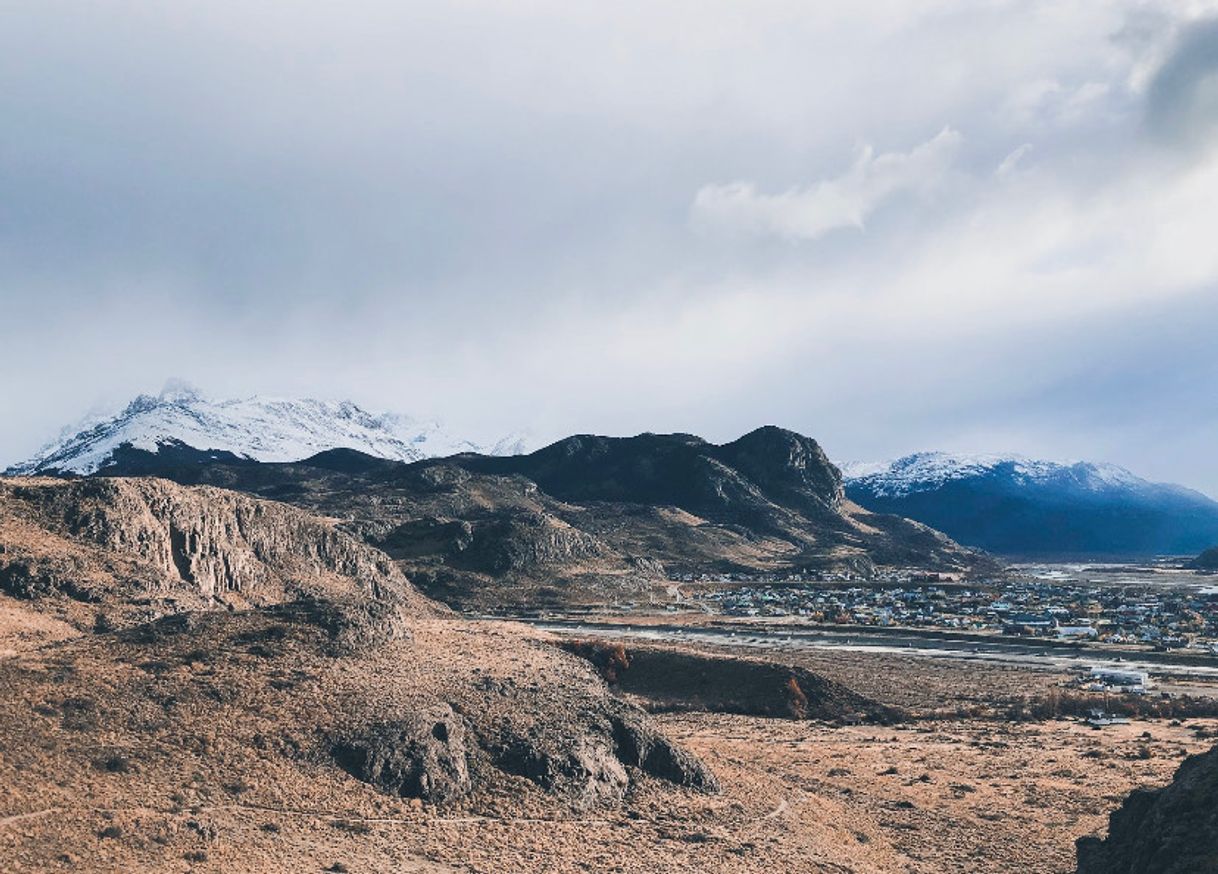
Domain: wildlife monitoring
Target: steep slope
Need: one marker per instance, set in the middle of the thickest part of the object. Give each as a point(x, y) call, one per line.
point(597, 519)
point(1172, 830)
point(1027, 508)
point(182, 426)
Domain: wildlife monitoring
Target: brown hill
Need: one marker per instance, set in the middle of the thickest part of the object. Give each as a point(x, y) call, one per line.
point(167, 650)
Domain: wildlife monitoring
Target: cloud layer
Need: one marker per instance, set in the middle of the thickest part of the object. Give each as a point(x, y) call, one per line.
point(626, 217)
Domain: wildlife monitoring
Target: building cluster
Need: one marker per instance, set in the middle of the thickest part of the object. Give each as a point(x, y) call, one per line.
point(1163, 617)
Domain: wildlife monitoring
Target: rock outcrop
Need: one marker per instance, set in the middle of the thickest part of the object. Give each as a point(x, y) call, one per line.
point(1172, 830)
point(148, 546)
point(422, 756)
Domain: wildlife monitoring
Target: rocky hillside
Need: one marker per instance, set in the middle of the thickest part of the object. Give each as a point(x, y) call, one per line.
point(1022, 507)
point(169, 652)
point(750, 480)
point(597, 519)
point(1173, 830)
point(141, 548)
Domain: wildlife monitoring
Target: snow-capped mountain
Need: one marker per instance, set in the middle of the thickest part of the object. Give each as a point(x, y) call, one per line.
point(256, 428)
point(924, 471)
point(1021, 506)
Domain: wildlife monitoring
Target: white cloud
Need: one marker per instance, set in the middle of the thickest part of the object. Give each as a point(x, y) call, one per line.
point(1011, 162)
point(838, 202)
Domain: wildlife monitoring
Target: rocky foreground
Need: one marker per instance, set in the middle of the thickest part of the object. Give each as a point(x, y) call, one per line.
point(193, 679)
point(1167, 830)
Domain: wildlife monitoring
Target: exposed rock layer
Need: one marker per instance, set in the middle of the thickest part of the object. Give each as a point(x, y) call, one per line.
point(672, 679)
point(146, 546)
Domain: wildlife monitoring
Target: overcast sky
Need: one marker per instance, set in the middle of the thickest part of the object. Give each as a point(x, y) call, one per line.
point(891, 225)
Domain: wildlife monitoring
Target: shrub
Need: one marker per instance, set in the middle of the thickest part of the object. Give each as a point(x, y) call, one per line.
point(610, 659)
point(797, 701)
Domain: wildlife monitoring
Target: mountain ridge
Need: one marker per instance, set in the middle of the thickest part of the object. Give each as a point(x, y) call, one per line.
point(1018, 506)
point(593, 519)
point(257, 428)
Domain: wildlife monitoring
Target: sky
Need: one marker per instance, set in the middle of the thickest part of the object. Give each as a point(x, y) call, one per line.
point(967, 225)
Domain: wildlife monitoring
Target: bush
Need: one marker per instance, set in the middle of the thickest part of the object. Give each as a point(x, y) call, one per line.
point(797, 701)
point(610, 659)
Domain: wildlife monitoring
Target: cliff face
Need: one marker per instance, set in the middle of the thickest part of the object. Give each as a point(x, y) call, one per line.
point(168, 546)
point(1173, 830)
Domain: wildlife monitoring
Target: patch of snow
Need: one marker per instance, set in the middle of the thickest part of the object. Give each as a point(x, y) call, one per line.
point(927, 471)
point(257, 428)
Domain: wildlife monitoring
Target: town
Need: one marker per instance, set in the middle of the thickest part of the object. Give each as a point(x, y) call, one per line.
point(1162, 617)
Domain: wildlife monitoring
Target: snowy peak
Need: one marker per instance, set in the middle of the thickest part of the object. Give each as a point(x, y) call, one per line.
point(256, 428)
point(927, 471)
point(1029, 508)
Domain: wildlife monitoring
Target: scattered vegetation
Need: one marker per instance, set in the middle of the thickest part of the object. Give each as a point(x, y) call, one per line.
point(1059, 703)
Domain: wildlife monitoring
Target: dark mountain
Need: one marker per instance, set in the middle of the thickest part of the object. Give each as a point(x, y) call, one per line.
point(1206, 561)
point(742, 481)
point(1036, 509)
point(594, 519)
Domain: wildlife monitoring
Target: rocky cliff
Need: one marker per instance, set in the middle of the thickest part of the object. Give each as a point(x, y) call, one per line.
point(148, 546)
point(1172, 830)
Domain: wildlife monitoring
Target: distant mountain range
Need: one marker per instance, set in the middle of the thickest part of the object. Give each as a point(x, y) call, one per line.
point(772, 482)
point(1022, 507)
point(180, 423)
point(588, 519)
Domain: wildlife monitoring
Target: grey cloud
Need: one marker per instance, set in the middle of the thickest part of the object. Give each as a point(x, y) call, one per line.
point(1182, 100)
point(480, 211)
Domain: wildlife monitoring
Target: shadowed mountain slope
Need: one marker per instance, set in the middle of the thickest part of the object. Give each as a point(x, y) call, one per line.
point(1206, 561)
point(1038, 509)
